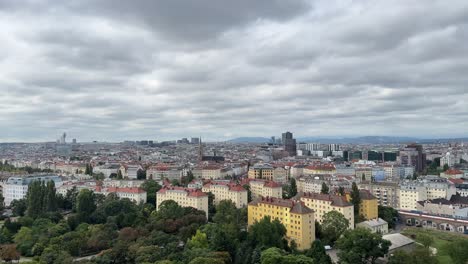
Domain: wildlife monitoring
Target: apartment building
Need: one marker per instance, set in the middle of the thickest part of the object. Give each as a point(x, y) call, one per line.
point(324, 203)
point(134, 194)
point(320, 169)
point(264, 188)
point(185, 197)
point(295, 216)
point(261, 171)
point(16, 188)
point(227, 191)
point(409, 194)
point(385, 192)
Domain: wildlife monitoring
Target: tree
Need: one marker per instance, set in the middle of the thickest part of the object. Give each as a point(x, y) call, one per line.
point(425, 240)
point(9, 253)
point(420, 255)
point(458, 251)
point(119, 175)
point(50, 196)
point(355, 199)
point(249, 192)
point(211, 205)
point(341, 191)
point(334, 224)
point(325, 189)
point(227, 213)
point(267, 233)
point(388, 214)
point(292, 188)
point(318, 254)
point(35, 199)
point(446, 167)
point(361, 246)
point(277, 256)
point(141, 175)
point(19, 207)
point(199, 240)
point(151, 187)
point(85, 204)
point(2, 202)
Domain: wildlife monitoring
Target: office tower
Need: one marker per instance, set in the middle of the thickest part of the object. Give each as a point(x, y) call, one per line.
point(289, 143)
point(333, 147)
point(412, 155)
point(273, 140)
point(194, 140)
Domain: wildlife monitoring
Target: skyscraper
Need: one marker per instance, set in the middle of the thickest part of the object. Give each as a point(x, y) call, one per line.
point(412, 155)
point(289, 143)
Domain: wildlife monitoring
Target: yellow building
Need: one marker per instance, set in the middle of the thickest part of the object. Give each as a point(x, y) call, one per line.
point(320, 169)
point(262, 188)
point(227, 191)
point(369, 207)
point(295, 216)
point(185, 197)
point(324, 203)
point(261, 171)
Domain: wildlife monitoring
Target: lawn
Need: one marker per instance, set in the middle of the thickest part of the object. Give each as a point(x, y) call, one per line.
point(441, 240)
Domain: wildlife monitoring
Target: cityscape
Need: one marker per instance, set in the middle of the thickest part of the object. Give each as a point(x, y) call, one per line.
point(234, 132)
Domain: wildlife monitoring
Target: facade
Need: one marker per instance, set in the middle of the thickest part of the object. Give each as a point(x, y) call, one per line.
point(261, 171)
point(163, 171)
point(320, 169)
point(212, 172)
point(375, 226)
point(412, 155)
point(410, 194)
point(130, 171)
point(369, 207)
point(289, 143)
point(324, 203)
point(185, 197)
point(261, 188)
point(227, 191)
point(16, 188)
point(295, 216)
point(134, 194)
point(385, 192)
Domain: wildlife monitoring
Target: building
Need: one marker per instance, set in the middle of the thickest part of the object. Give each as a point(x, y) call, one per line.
point(369, 207)
point(195, 140)
point(385, 192)
point(456, 207)
point(453, 174)
point(227, 191)
point(333, 147)
point(377, 225)
point(289, 143)
point(320, 169)
point(263, 188)
point(164, 171)
point(185, 197)
point(211, 172)
point(16, 188)
point(130, 171)
point(399, 242)
point(134, 194)
point(107, 170)
point(412, 155)
point(295, 216)
point(449, 159)
point(261, 171)
point(324, 203)
point(409, 194)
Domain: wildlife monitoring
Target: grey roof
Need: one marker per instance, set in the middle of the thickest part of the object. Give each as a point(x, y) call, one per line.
point(374, 222)
point(27, 180)
point(398, 240)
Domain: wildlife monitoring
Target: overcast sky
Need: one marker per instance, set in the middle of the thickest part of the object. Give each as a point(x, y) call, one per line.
point(163, 69)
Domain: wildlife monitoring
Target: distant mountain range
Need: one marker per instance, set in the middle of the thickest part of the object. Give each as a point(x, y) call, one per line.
point(351, 140)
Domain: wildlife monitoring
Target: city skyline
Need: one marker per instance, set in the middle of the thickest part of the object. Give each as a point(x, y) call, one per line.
point(221, 70)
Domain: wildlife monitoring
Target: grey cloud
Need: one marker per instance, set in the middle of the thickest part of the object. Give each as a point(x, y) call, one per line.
point(114, 70)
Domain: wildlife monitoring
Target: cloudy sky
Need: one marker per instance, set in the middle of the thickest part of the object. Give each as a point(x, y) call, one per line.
point(163, 69)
